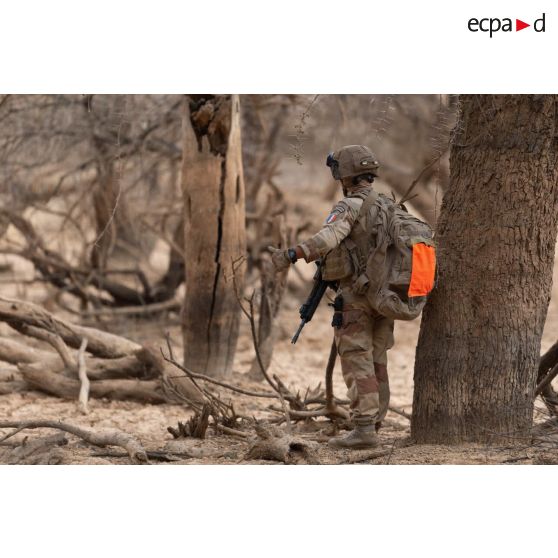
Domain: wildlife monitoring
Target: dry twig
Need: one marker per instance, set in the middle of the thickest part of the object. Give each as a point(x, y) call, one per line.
point(82, 375)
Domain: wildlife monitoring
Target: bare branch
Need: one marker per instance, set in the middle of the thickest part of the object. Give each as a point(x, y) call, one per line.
point(82, 374)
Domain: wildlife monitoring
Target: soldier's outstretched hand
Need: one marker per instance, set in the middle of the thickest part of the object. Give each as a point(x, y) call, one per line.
point(279, 258)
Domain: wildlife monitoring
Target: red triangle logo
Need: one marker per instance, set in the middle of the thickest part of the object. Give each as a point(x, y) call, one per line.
point(519, 25)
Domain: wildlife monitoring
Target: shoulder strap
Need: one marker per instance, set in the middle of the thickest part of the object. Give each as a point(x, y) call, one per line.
point(358, 258)
point(367, 203)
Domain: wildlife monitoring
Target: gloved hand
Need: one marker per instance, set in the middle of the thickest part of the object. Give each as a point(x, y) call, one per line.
point(279, 258)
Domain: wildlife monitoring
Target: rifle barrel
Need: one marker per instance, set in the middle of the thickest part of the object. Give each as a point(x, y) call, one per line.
point(295, 336)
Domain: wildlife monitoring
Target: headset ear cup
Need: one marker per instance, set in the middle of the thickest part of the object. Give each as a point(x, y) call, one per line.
point(369, 177)
point(335, 171)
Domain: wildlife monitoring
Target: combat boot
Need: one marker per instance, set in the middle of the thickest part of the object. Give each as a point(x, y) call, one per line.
point(362, 437)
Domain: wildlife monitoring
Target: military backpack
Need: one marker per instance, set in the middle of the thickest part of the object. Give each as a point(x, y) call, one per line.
point(389, 257)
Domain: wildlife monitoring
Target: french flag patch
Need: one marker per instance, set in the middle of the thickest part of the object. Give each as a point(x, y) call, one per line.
point(331, 218)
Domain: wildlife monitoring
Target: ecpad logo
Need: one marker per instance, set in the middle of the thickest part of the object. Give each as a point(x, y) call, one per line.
point(492, 25)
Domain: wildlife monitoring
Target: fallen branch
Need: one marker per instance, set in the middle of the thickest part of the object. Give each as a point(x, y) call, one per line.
point(53, 339)
point(231, 431)
point(13, 387)
point(119, 368)
point(9, 375)
point(149, 391)
point(273, 444)
point(17, 313)
point(108, 373)
point(146, 309)
point(176, 388)
point(15, 353)
point(338, 412)
point(130, 366)
point(97, 438)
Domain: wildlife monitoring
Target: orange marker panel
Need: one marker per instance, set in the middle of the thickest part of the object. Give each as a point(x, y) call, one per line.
point(424, 267)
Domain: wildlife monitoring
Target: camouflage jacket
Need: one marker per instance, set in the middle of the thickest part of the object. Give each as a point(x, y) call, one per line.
point(337, 226)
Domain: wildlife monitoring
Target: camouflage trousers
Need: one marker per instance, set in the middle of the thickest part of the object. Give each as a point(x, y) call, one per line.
point(362, 343)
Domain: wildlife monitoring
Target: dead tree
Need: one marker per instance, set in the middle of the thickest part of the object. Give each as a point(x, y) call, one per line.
point(271, 293)
point(98, 161)
point(214, 231)
point(479, 345)
point(264, 119)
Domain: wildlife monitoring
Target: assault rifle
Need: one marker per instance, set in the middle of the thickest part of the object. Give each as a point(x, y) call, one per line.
point(309, 307)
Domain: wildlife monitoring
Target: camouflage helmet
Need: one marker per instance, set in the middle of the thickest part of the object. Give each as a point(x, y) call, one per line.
point(352, 160)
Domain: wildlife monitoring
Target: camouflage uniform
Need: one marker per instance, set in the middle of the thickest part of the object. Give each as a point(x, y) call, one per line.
point(365, 336)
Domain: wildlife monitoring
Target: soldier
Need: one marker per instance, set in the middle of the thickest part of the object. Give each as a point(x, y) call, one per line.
point(364, 336)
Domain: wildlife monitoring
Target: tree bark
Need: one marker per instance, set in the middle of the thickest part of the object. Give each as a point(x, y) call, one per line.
point(214, 231)
point(479, 344)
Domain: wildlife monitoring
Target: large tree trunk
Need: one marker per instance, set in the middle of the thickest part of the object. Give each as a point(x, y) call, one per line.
point(479, 345)
point(214, 229)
